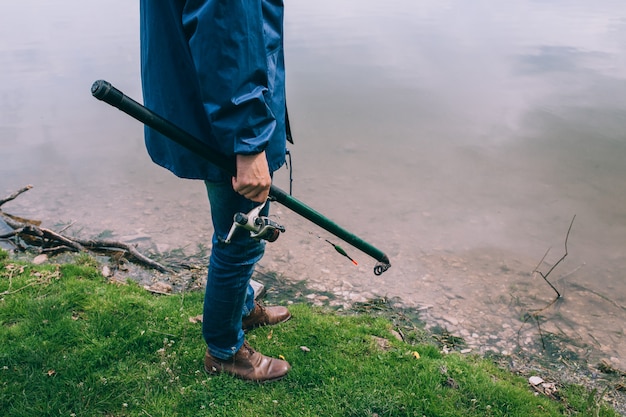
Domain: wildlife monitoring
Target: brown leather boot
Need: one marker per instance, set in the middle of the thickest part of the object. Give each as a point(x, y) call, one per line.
point(248, 364)
point(263, 316)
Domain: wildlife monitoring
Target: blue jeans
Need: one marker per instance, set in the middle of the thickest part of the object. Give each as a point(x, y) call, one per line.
point(229, 296)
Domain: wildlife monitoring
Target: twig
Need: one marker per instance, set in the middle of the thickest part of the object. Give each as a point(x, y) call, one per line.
point(132, 251)
point(10, 234)
point(66, 227)
point(24, 227)
point(49, 234)
point(534, 314)
point(15, 194)
point(16, 222)
point(7, 292)
point(545, 276)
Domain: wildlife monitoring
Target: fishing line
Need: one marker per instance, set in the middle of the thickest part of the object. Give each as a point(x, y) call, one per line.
point(338, 248)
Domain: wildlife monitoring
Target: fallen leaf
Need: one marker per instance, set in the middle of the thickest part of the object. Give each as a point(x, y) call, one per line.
point(305, 349)
point(270, 335)
point(51, 372)
point(281, 357)
point(416, 355)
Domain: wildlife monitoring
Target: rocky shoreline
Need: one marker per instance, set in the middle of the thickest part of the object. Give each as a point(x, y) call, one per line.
point(556, 362)
point(553, 361)
point(464, 311)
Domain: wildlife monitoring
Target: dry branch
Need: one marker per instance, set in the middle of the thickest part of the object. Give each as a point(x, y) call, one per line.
point(104, 245)
point(535, 314)
point(51, 241)
point(15, 194)
point(545, 276)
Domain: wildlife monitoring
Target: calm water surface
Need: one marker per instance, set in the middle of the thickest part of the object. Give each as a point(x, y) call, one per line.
point(459, 137)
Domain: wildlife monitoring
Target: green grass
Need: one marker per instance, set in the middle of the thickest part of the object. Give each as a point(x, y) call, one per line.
point(72, 344)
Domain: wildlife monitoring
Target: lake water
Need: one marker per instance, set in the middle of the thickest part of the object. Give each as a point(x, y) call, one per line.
point(460, 138)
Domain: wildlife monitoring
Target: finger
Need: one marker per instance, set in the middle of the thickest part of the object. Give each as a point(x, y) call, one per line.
point(255, 193)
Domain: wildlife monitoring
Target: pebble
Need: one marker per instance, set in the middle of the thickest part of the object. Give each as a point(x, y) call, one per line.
point(39, 259)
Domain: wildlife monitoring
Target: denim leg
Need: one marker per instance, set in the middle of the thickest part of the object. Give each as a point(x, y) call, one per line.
point(228, 296)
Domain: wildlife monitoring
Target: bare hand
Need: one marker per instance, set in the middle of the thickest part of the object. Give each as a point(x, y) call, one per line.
point(253, 180)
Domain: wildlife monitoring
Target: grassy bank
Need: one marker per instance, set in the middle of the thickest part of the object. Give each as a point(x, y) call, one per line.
point(72, 344)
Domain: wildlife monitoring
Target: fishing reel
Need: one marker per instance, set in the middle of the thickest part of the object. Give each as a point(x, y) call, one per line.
point(260, 227)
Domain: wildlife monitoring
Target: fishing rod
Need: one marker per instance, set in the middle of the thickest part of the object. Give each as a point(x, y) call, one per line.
point(104, 91)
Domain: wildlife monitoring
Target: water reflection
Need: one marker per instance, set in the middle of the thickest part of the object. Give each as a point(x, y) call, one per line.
point(459, 137)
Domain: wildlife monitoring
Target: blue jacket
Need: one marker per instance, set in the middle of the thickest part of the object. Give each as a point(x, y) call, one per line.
point(216, 69)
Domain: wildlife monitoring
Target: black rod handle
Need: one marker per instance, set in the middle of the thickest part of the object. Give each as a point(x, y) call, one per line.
point(103, 90)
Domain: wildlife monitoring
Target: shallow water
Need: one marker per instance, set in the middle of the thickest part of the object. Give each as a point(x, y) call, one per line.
point(460, 138)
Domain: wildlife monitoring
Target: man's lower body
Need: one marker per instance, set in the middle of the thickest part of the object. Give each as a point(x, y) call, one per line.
point(229, 305)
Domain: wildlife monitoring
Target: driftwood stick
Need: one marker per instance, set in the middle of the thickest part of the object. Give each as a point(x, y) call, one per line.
point(50, 235)
point(11, 233)
point(132, 251)
point(81, 245)
point(43, 234)
point(8, 219)
point(15, 195)
point(53, 250)
point(23, 227)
